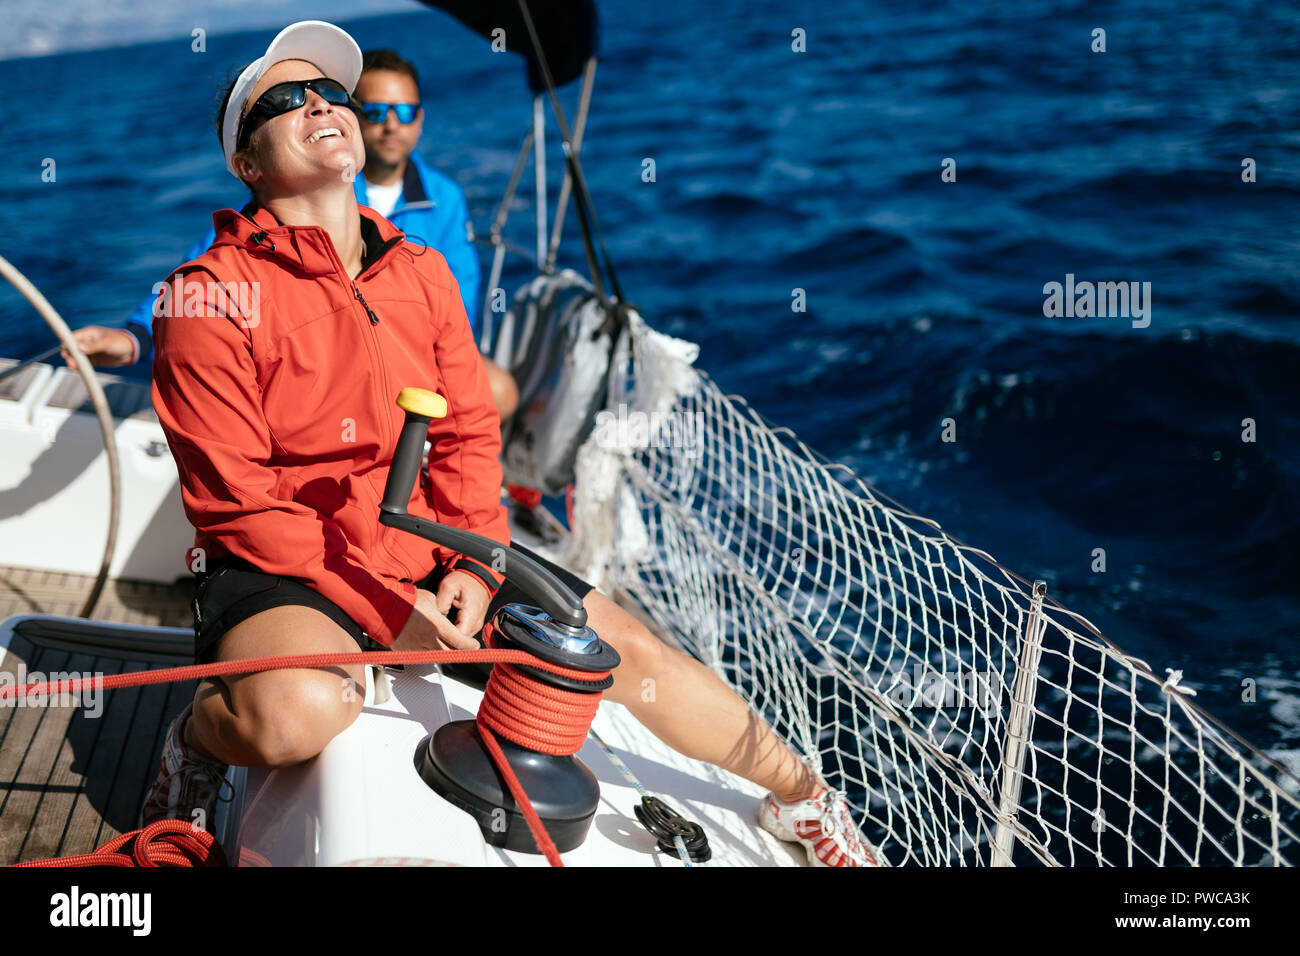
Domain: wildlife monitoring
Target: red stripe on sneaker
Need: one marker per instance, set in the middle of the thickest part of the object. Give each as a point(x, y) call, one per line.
point(828, 852)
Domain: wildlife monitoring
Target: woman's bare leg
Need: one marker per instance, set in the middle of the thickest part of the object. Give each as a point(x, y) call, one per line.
point(505, 392)
point(686, 706)
point(282, 717)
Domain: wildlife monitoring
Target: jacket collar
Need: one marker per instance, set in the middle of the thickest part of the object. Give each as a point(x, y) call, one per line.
point(306, 248)
point(413, 189)
point(412, 182)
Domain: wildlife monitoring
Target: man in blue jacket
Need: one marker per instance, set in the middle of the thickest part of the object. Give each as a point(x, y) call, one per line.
point(426, 205)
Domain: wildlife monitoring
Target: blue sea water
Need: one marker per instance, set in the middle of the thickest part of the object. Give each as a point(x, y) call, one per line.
point(778, 170)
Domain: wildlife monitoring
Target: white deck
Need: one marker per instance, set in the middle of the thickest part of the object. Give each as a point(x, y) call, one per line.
point(362, 801)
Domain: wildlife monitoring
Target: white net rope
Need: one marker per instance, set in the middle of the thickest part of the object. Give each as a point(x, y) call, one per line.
point(886, 652)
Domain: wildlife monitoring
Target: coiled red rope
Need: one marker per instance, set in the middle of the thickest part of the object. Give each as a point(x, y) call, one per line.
point(515, 705)
point(161, 843)
point(542, 717)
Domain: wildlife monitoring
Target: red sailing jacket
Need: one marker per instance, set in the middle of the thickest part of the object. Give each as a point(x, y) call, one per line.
point(275, 376)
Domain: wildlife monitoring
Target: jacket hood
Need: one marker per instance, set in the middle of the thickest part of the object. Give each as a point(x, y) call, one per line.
point(308, 249)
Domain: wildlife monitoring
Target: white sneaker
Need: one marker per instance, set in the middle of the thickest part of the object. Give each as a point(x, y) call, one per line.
point(188, 785)
point(824, 825)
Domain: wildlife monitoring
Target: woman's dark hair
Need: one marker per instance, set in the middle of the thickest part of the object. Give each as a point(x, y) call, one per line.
point(228, 88)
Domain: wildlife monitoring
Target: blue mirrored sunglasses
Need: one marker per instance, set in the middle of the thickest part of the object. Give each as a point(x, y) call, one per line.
point(378, 112)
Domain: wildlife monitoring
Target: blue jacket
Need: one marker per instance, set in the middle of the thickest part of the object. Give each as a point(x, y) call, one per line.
point(431, 211)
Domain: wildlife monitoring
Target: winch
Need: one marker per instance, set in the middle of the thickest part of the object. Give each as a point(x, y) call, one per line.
point(543, 717)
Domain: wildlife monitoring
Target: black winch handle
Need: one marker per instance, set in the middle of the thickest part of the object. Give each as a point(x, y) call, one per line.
point(550, 593)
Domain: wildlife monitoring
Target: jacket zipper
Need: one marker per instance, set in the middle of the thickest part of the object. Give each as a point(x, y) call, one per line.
point(374, 319)
point(392, 438)
point(383, 375)
point(388, 425)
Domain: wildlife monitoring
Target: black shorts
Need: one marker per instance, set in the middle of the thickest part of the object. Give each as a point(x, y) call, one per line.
point(232, 590)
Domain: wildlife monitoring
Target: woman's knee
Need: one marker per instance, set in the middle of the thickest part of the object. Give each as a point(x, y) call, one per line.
point(289, 720)
point(505, 392)
point(642, 656)
point(283, 717)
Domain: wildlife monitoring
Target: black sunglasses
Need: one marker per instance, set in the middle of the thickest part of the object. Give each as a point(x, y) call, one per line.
point(284, 97)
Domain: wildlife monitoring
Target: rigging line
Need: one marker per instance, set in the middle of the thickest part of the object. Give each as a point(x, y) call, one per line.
point(28, 362)
point(631, 778)
point(579, 127)
point(582, 196)
point(501, 242)
point(539, 176)
point(500, 245)
point(503, 210)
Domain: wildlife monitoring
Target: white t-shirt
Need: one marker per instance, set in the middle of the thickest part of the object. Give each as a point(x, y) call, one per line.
point(382, 199)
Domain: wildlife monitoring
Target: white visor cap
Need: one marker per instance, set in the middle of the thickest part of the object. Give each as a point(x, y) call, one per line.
point(327, 47)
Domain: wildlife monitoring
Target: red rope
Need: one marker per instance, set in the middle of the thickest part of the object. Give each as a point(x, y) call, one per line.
point(256, 664)
point(550, 720)
point(519, 707)
point(541, 717)
point(162, 843)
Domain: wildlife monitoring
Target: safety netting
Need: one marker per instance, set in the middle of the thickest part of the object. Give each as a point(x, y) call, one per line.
point(968, 717)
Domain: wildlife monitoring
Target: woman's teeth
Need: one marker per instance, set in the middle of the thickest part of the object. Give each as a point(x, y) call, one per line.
point(322, 133)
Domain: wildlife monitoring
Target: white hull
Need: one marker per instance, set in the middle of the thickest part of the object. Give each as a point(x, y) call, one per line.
point(54, 488)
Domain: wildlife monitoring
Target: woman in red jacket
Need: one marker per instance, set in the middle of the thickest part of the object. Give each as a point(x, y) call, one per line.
point(278, 354)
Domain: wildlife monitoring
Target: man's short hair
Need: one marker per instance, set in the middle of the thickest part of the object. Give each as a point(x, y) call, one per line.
point(389, 60)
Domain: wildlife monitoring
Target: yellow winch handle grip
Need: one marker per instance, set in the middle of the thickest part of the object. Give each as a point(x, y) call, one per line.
point(421, 406)
point(421, 401)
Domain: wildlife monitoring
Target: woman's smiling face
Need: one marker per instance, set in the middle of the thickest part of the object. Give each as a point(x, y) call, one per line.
point(302, 148)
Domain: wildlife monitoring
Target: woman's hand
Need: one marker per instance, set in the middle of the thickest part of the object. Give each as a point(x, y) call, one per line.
point(427, 629)
point(463, 591)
